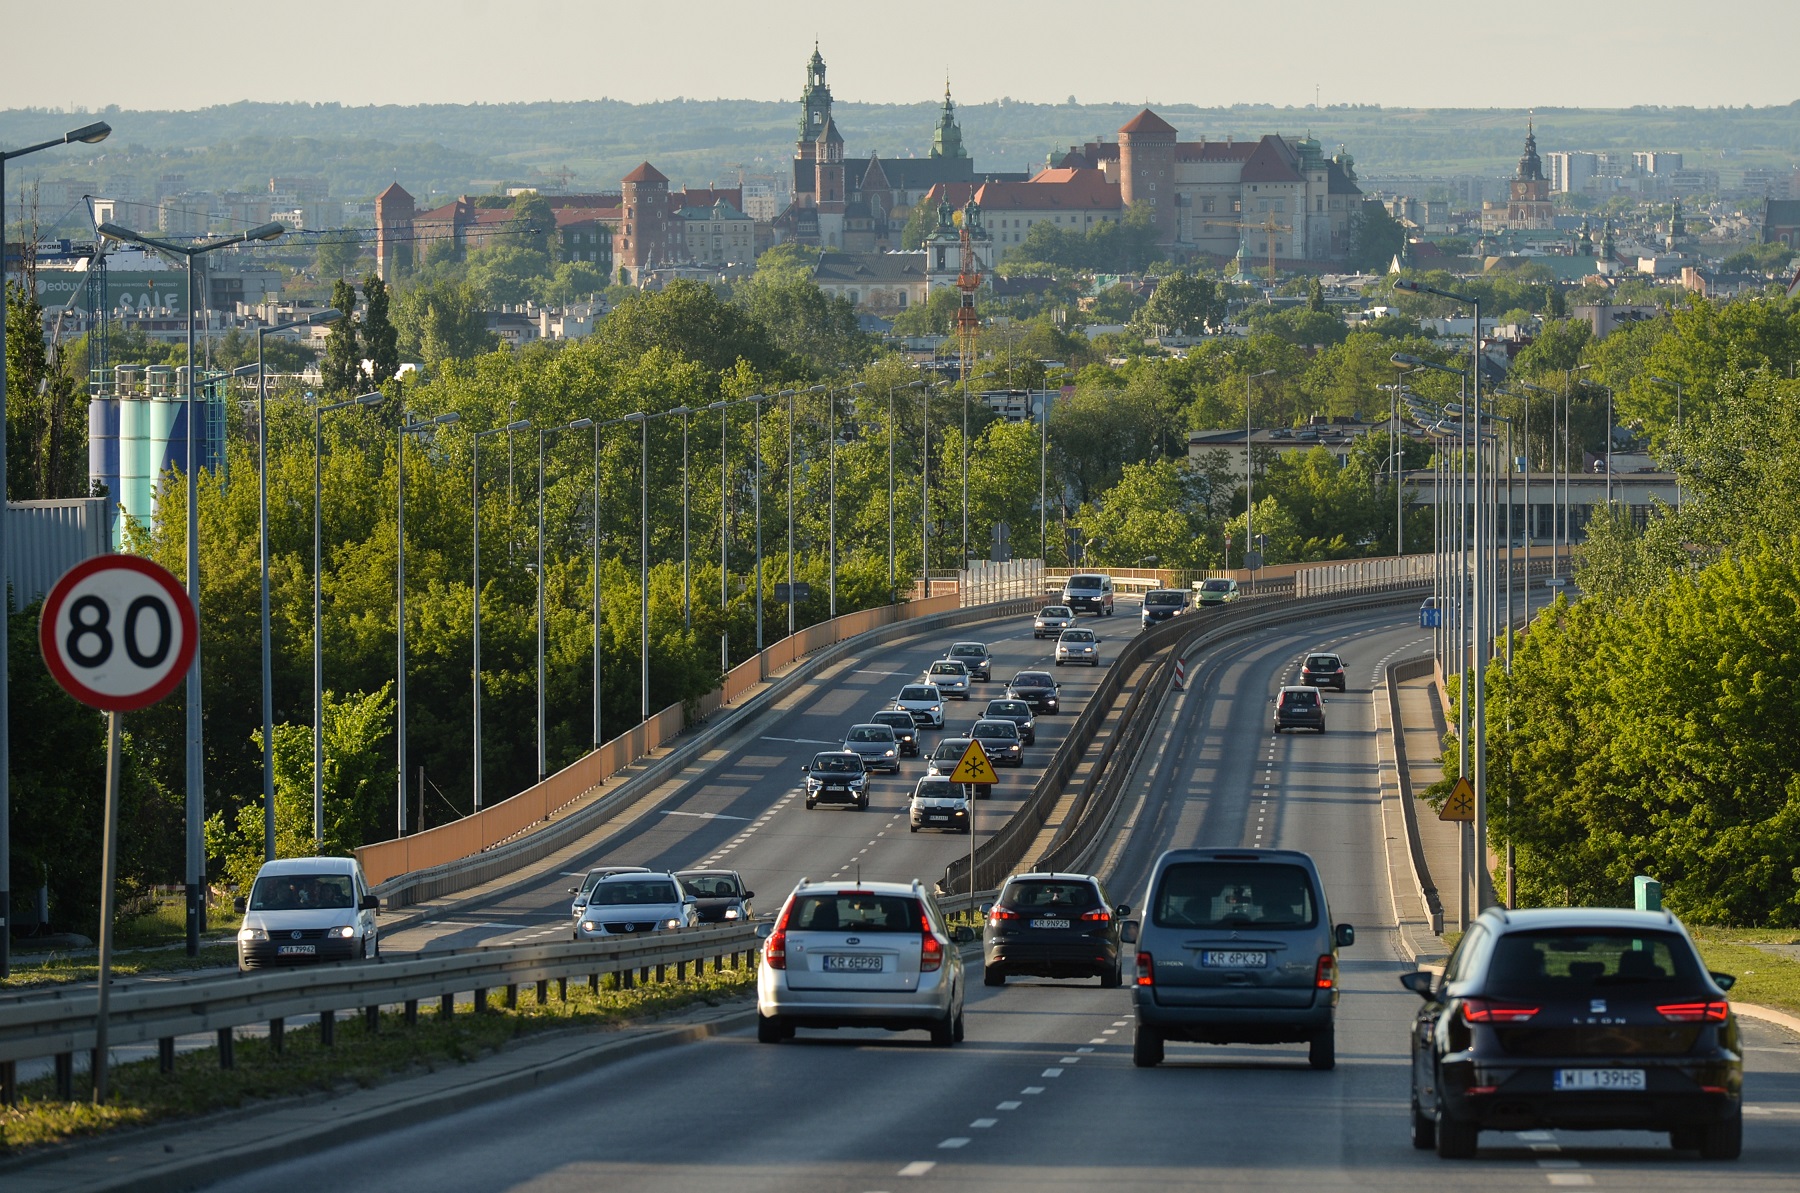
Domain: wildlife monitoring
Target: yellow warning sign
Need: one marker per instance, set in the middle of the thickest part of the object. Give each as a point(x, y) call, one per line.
point(1461, 804)
point(974, 767)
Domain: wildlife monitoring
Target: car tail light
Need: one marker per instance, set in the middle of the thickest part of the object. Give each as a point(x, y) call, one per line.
point(1695, 1012)
point(1096, 917)
point(1325, 976)
point(1482, 1010)
point(1000, 913)
point(1146, 970)
point(775, 948)
point(931, 949)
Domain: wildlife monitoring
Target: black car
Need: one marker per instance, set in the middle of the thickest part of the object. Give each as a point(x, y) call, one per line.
point(1035, 688)
point(1576, 1018)
point(719, 895)
point(1299, 708)
point(1160, 604)
point(905, 731)
point(1052, 926)
point(837, 777)
point(1016, 711)
point(1323, 670)
point(1000, 740)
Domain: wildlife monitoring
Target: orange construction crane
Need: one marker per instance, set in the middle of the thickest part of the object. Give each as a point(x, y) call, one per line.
point(1268, 227)
point(968, 281)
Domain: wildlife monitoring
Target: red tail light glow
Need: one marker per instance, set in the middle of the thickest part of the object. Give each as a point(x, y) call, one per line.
point(1325, 977)
point(931, 949)
point(1695, 1012)
point(775, 948)
point(1096, 917)
point(1146, 970)
point(1482, 1010)
point(1000, 913)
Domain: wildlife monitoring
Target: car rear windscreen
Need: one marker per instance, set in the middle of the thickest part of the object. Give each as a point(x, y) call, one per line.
point(1040, 894)
point(1222, 894)
point(301, 892)
point(851, 912)
point(632, 894)
point(1322, 662)
point(1578, 963)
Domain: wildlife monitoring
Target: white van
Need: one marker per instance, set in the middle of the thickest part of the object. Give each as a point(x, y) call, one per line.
point(303, 910)
point(1089, 592)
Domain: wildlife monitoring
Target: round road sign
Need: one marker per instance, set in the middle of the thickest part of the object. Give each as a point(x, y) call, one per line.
point(118, 632)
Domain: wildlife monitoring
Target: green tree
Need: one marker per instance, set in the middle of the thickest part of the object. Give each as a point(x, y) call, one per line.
point(46, 445)
point(338, 255)
point(1161, 510)
point(533, 224)
point(341, 370)
point(380, 341)
point(804, 322)
point(1375, 238)
point(689, 320)
point(441, 322)
point(1183, 303)
point(1315, 296)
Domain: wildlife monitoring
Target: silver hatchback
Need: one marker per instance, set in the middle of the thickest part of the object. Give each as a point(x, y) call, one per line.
point(950, 676)
point(872, 954)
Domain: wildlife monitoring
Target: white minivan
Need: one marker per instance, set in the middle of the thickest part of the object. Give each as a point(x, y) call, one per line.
point(1089, 592)
point(303, 910)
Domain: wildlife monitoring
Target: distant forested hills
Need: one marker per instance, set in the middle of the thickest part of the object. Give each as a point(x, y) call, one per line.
point(445, 149)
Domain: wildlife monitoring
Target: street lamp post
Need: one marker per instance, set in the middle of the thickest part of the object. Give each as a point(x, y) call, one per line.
point(925, 500)
point(687, 587)
point(408, 426)
point(543, 737)
point(319, 413)
point(87, 134)
point(196, 758)
point(523, 424)
point(643, 421)
point(1249, 502)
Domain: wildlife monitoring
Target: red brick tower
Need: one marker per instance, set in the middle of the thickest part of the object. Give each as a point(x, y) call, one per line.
point(1147, 169)
point(394, 211)
point(643, 240)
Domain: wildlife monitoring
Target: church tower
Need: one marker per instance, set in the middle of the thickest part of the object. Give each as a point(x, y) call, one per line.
point(1147, 170)
point(815, 107)
point(946, 139)
point(828, 185)
point(1529, 205)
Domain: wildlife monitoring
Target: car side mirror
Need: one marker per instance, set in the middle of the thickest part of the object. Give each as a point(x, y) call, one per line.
point(1723, 981)
point(962, 934)
point(1345, 935)
point(238, 904)
point(369, 903)
point(1420, 983)
point(986, 909)
point(1122, 910)
point(1128, 932)
point(763, 930)
point(749, 894)
point(574, 890)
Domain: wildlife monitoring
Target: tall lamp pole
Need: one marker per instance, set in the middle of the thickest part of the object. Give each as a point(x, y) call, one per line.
point(196, 757)
point(87, 134)
point(1249, 502)
point(408, 426)
point(543, 738)
point(523, 424)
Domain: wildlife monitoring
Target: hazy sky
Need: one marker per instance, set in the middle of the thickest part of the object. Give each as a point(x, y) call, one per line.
point(1596, 53)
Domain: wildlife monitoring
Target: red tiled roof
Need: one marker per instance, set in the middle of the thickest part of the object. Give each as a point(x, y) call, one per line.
point(1272, 161)
point(1214, 151)
point(646, 173)
point(1148, 122)
point(394, 191)
point(1073, 188)
point(566, 216)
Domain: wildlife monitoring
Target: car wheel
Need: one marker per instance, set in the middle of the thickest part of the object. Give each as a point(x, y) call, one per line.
point(943, 1034)
point(1112, 979)
point(1424, 1130)
point(769, 1029)
point(957, 1034)
point(993, 975)
point(1456, 1139)
point(1146, 1047)
point(912, 828)
point(1321, 1050)
point(1723, 1140)
point(811, 804)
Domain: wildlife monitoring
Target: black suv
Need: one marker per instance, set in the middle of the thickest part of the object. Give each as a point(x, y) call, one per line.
point(1163, 603)
point(1576, 1018)
point(837, 777)
point(1035, 688)
point(1323, 670)
point(905, 731)
point(1299, 708)
point(1052, 926)
point(1016, 711)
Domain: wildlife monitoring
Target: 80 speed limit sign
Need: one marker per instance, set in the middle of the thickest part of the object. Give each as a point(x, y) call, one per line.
point(118, 632)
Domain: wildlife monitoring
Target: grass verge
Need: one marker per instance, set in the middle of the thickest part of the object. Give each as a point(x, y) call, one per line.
point(1762, 977)
point(142, 1094)
point(53, 969)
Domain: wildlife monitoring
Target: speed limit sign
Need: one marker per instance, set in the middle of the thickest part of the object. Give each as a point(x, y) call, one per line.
point(118, 632)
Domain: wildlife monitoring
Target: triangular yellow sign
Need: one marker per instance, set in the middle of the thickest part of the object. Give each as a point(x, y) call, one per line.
point(1461, 804)
point(974, 767)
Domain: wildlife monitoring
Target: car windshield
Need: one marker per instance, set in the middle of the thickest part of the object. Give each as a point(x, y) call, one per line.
point(918, 693)
point(1004, 729)
point(950, 748)
point(854, 911)
point(627, 892)
point(1038, 894)
point(1223, 894)
point(1084, 581)
point(871, 733)
point(1078, 635)
point(1009, 708)
point(1574, 962)
point(302, 892)
point(1163, 598)
point(1215, 586)
point(1057, 611)
point(936, 787)
point(1322, 662)
point(946, 667)
point(1031, 679)
point(969, 650)
point(711, 886)
point(836, 764)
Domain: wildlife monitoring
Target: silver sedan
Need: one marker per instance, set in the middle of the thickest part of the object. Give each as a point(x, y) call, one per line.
point(1051, 621)
point(1078, 646)
point(879, 748)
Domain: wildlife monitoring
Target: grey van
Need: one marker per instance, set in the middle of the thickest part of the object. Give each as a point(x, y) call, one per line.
point(1235, 947)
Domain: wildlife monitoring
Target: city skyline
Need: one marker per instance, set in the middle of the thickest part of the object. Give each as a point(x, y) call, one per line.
point(548, 52)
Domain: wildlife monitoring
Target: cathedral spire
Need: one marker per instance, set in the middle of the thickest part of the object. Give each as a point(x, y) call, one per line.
point(946, 139)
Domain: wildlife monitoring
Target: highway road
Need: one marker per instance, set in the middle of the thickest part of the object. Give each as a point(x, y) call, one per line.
point(1043, 1094)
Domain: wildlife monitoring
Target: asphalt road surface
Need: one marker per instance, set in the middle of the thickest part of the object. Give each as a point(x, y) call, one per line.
point(1043, 1096)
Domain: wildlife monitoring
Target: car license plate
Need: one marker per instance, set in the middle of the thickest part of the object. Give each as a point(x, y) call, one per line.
point(841, 963)
point(1232, 959)
point(1600, 1079)
point(1050, 923)
point(296, 950)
